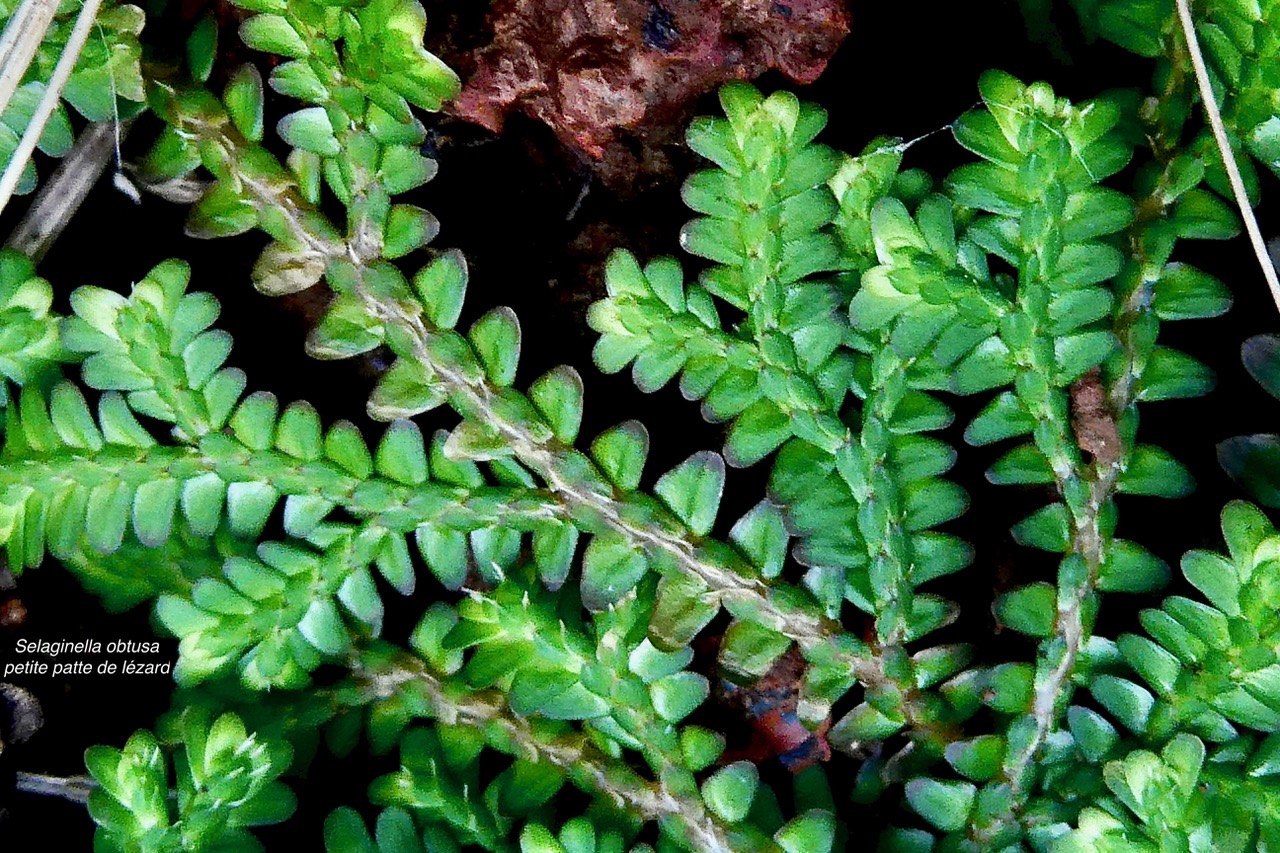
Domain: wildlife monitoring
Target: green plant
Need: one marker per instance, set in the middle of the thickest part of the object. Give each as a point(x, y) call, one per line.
point(846, 302)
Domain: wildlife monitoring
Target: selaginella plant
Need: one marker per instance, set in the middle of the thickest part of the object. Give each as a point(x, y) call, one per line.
point(845, 302)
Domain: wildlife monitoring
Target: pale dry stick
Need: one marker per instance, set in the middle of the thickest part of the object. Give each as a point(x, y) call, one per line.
point(73, 788)
point(62, 194)
point(48, 103)
point(16, 25)
point(1224, 146)
point(20, 42)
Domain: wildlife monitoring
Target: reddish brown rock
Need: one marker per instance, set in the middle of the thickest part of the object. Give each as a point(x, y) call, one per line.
point(616, 79)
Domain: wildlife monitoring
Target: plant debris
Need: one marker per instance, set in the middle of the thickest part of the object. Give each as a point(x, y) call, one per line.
point(1092, 419)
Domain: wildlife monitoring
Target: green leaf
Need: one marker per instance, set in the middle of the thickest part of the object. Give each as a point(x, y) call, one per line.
point(558, 396)
point(344, 832)
point(1264, 143)
point(1126, 701)
point(1030, 610)
point(408, 228)
point(1077, 354)
point(946, 805)
point(243, 97)
point(611, 567)
point(1245, 528)
point(406, 390)
point(729, 792)
point(535, 838)
point(1004, 417)
point(620, 452)
point(683, 609)
point(677, 696)
point(1009, 688)
point(554, 547)
point(248, 507)
point(107, 514)
point(221, 212)
point(812, 832)
point(1186, 293)
point(345, 446)
point(756, 433)
point(1024, 465)
point(692, 490)
point(298, 80)
point(309, 129)
point(404, 169)
point(1216, 579)
point(496, 339)
point(762, 535)
point(273, 34)
point(401, 454)
point(1157, 667)
point(280, 270)
point(202, 502)
point(700, 747)
point(749, 649)
point(990, 365)
point(1128, 567)
point(978, 759)
point(1172, 375)
point(322, 627)
point(202, 48)
point(153, 507)
point(1047, 529)
point(1092, 733)
point(1153, 471)
point(442, 287)
point(1200, 215)
point(555, 694)
point(298, 432)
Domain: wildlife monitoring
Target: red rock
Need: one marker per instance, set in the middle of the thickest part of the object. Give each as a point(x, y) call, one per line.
point(616, 79)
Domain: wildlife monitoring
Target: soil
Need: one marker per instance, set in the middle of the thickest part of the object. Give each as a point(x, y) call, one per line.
point(535, 221)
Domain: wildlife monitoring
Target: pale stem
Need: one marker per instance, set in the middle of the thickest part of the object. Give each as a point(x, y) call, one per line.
point(73, 788)
point(63, 193)
point(49, 102)
point(1228, 156)
point(20, 42)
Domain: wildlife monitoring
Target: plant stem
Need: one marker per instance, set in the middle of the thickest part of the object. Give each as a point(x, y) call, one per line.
point(74, 788)
point(573, 752)
point(62, 194)
point(1102, 475)
point(730, 579)
point(1224, 147)
point(20, 43)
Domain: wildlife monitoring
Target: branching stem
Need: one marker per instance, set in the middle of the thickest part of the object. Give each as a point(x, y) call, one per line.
point(573, 752)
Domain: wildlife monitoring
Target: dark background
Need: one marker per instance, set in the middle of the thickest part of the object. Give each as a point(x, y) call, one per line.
point(906, 70)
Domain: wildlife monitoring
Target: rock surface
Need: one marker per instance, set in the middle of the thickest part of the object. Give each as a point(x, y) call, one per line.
point(616, 79)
